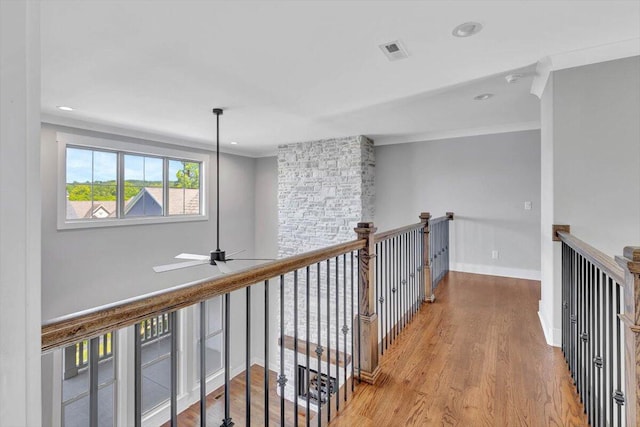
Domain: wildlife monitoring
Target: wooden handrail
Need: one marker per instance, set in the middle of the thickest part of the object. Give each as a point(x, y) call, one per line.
point(593, 255)
point(385, 235)
point(93, 322)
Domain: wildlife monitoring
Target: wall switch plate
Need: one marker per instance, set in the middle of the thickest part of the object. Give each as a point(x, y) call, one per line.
point(527, 206)
point(494, 254)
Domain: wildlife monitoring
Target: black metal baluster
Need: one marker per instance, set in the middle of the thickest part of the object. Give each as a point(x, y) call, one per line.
point(319, 348)
point(226, 422)
point(282, 379)
point(345, 328)
point(308, 344)
point(590, 341)
point(266, 353)
point(395, 288)
point(203, 364)
point(378, 297)
point(597, 361)
point(337, 334)
point(359, 273)
point(329, 340)
point(403, 281)
point(247, 385)
point(137, 356)
point(353, 341)
point(611, 316)
point(618, 394)
point(564, 299)
point(579, 330)
point(173, 321)
point(94, 344)
point(296, 379)
point(572, 316)
point(387, 293)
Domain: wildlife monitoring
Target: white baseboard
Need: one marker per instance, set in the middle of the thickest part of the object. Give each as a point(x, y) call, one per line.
point(553, 336)
point(491, 270)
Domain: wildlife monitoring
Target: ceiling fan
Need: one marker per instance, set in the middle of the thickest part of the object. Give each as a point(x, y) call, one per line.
point(218, 257)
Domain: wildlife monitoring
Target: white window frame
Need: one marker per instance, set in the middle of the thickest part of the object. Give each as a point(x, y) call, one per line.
point(115, 145)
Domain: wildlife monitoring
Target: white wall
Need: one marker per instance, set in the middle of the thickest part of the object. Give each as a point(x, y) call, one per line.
point(485, 181)
point(591, 156)
point(20, 397)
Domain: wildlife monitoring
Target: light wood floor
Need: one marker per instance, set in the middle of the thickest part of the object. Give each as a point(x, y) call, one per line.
point(476, 357)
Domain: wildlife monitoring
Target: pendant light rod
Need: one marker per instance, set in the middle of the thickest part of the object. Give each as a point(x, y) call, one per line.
point(217, 112)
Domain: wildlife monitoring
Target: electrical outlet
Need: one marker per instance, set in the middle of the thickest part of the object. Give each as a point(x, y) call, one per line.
point(495, 254)
point(527, 206)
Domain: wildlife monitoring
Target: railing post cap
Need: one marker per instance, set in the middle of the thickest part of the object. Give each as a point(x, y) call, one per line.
point(365, 228)
point(450, 215)
point(365, 225)
point(632, 253)
point(425, 216)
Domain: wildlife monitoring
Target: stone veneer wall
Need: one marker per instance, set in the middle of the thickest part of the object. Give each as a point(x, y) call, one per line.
point(324, 189)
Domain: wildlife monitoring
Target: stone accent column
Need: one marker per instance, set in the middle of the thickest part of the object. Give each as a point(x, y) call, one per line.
point(426, 266)
point(367, 345)
point(630, 262)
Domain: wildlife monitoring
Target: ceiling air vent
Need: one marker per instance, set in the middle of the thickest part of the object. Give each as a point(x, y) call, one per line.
point(394, 50)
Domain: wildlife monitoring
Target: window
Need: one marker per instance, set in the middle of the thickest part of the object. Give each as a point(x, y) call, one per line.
point(81, 385)
point(110, 183)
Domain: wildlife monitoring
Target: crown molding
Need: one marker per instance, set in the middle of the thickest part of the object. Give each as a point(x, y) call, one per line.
point(580, 57)
point(458, 133)
point(107, 128)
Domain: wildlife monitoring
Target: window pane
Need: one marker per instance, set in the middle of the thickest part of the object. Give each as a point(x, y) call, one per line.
point(143, 193)
point(214, 315)
point(184, 187)
point(156, 361)
point(91, 184)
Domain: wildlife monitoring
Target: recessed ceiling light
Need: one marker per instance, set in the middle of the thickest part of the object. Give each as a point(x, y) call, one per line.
point(483, 97)
point(233, 143)
point(63, 108)
point(467, 29)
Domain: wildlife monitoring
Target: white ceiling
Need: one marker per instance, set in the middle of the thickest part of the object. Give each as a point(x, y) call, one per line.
point(292, 71)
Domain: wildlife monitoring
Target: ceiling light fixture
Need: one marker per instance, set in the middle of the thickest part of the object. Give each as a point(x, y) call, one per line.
point(513, 78)
point(233, 143)
point(63, 108)
point(467, 29)
point(483, 97)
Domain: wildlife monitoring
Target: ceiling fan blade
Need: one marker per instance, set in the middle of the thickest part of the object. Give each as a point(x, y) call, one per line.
point(176, 266)
point(224, 268)
point(252, 259)
point(236, 252)
point(193, 256)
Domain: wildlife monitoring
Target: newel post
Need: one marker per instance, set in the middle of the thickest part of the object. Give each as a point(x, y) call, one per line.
point(426, 266)
point(367, 345)
point(630, 262)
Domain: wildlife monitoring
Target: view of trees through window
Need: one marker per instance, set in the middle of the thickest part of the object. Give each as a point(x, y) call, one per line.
point(92, 185)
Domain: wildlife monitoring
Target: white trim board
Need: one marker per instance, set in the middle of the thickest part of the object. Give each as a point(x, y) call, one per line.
point(491, 270)
point(553, 336)
point(580, 57)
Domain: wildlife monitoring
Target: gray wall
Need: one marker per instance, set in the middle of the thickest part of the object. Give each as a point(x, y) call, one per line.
point(485, 180)
point(591, 160)
point(84, 268)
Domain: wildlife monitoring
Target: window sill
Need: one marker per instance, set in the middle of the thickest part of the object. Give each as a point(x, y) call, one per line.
point(120, 222)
